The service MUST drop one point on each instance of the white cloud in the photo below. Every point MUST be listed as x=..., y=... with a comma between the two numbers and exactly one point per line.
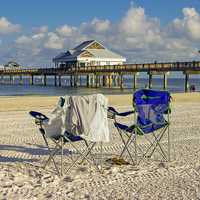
x=7, y=27
x=96, y=26
x=43, y=29
x=23, y=40
x=54, y=41
x=100, y=25
x=189, y=25
x=38, y=36
x=66, y=31
x=136, y=23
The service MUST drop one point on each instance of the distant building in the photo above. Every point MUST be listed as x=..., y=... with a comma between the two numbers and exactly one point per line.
x=11, y=65
x=88, y=53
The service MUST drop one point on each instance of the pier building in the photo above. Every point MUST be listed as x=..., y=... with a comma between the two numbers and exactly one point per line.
x=88, y=53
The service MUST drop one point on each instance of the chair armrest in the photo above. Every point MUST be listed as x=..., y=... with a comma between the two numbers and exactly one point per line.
x=39, y=117
x=112, y=112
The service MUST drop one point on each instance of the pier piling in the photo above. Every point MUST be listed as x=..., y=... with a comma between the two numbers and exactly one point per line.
x=59, y=81
x=55, y=80
x=45, y=80
x=11, y=79
x=2, y=79
x=165, y=81
x=186, y=82
x=20, y=80
x=31, y=80
x=88, y=80
x=150, y=80
x=135, y=81
x=71, y=81
x=121, y=81
x=104, y=80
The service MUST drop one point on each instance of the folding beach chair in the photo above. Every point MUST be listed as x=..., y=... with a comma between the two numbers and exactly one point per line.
x=60, y=140
x=151, y=118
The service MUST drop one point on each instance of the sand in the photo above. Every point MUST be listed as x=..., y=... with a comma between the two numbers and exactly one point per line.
x=22, y=152
x=10, y=103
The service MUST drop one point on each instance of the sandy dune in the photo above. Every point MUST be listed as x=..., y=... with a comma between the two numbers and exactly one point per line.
x=22, y=150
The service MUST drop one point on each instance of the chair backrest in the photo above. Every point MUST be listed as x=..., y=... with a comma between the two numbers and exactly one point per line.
x=151, y=105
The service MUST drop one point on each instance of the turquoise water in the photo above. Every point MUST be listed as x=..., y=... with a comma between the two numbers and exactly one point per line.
x=174, y=85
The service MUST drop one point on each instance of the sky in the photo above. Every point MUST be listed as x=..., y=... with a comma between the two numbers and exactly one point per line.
x=33, y=32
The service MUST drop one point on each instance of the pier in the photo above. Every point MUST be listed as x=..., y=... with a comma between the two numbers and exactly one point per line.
x=102, y=76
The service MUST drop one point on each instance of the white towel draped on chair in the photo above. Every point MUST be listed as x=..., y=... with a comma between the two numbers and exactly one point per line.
x=81, y=115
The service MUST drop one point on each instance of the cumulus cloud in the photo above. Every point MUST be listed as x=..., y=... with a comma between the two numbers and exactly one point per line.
x=100, y=25
x=136, y=22
x=54, y=41
x=43, y=29
x=7, y=27
x=189, y=25
x=66, y=31
x=23, y=40
x=96, y=26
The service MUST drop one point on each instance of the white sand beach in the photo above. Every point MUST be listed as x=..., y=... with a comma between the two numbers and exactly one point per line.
x=22, y=151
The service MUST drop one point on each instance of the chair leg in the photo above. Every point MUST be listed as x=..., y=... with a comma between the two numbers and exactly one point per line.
x=101, y=160
x=78, y=151
x=135, y=144
x=93, y=159
x=53, y=153
x=169, y=144
x=62, y=143
x=86, y=152
x=50, y=155
x=125, y=145
x=89, y=152
x=156, y=143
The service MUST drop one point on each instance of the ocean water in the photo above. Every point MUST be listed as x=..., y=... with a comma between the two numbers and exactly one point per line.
x=6, y=89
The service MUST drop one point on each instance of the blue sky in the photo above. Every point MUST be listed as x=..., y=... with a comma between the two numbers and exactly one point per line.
x=142, y=30
x=54, y=13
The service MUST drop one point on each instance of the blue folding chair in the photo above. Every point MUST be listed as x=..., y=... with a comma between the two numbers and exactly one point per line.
x=151, y=117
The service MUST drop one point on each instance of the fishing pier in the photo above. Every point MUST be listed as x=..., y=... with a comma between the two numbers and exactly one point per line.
x=103, y=76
